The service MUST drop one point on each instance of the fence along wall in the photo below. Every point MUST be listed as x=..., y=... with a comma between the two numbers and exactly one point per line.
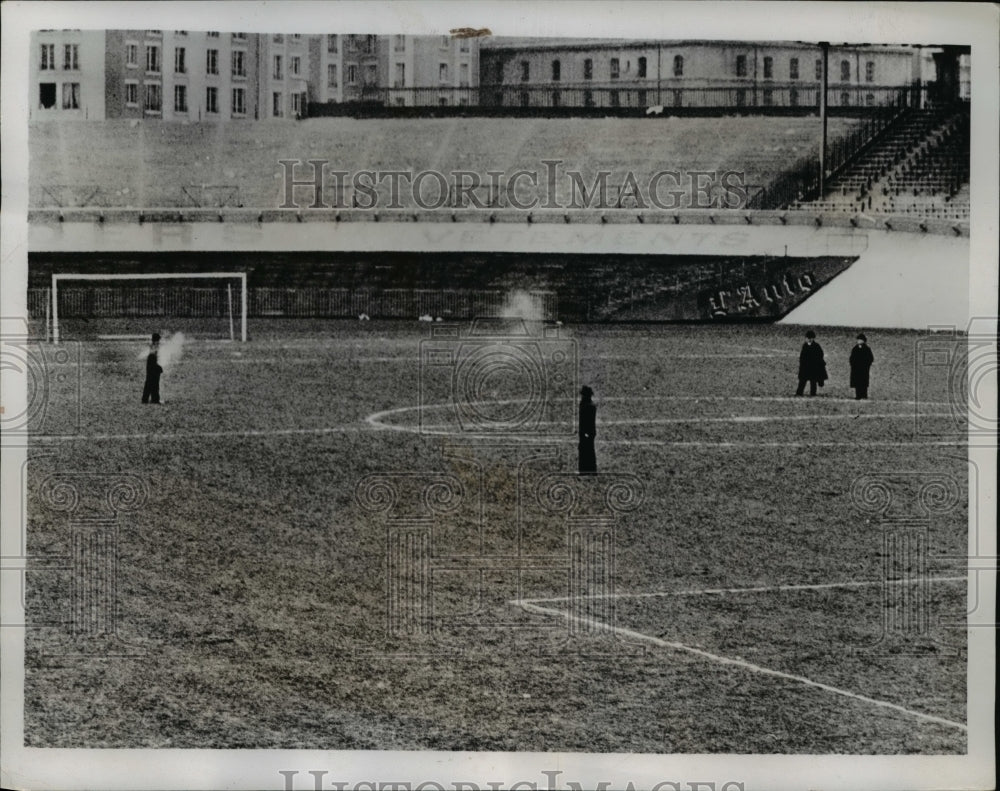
x=302, y=302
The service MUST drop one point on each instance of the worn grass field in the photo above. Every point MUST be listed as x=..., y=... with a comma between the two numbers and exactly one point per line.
x=754, y=605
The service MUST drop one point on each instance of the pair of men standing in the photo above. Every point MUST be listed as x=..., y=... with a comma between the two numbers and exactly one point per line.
x=812, y=366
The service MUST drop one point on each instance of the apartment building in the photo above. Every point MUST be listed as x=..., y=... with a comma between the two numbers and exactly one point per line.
x=67, y=74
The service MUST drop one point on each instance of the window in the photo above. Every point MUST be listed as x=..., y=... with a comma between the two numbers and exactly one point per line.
x=845, y=99
x=445, y=42
x=443, y=72
x=179, y=61
x=741, y=65
x=642, y=66
x=768, y=67
x=279, y=38
x=400, y=79
x=588, y=98
x=132, y=55
x=678, y=98
x=277, y=105
x=239, y=36
x=331, y=43
x=331, y=74
x=643, y=100
x=741, y=97
x=181, y=32
x=525, y=99
x=352, y=74
x=48, y=57
x=153, y=33
x=399, y=43
x=239, y=101
x=371, y=74
x=556, y=71
x=678, y=66
x=463, y=75
x=277, y=73
x=71, y=57
x=614, y=98
x=47, y=95
x=870, y=71
x=463, y=45
x=793, y=97
x=443, y=101
x=180, y=99
x=296, y=36
x=819, y=68
x=525, y=71
x=793, y=69
x=615, y=68
x=211, y=99
x=239, y=63
x=213, y=33
x=588, y=69
x=152, y=59
x=845, y=70
x=870, y=99
x=154, y=98
x=296, y=104
x=131, y=94
x=555, y=98
x=369, y=44
x=768, y=97
x=212, y=61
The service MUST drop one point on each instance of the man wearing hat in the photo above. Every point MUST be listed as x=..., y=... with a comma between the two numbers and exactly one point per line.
x=588, y=428
x=861, y=361
x=812, y=365
x=151, y=389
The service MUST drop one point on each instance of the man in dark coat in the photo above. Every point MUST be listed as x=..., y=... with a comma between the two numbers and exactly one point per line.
x=861, y=362
x=588, y=429
x=812, y=365
x=151, y=390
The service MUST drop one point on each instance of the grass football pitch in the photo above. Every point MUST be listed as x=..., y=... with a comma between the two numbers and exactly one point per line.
x=752, y=598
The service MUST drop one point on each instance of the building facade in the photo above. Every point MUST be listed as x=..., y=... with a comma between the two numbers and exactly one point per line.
x=560, y=72
x=179, y=75
x=67, y=74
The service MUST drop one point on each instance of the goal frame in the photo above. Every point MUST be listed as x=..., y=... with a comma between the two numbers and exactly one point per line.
x=241, y=277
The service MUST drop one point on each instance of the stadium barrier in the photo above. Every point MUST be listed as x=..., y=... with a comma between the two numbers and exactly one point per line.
x=96, y=302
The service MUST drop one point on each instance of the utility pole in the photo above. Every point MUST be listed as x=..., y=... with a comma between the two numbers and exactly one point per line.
x=824, y=78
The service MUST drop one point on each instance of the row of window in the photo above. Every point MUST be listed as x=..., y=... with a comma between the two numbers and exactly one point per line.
x=614, y=68
x=294, y=66
x=238, y=60
x=368, y=44
x=152, y=99
x=71, y=57
x=528, y=99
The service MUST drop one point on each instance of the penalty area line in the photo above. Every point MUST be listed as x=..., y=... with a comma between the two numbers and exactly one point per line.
x=740, y=663
x=759, y=589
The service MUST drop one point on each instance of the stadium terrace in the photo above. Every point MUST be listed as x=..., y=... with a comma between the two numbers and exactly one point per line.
x=314, y=184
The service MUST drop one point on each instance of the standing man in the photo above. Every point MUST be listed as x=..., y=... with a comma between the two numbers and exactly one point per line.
x=812, y=365
x=588, y=429
x=861, y=362
x=151, y=390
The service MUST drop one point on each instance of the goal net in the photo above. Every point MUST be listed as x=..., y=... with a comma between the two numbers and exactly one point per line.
x=211, y=305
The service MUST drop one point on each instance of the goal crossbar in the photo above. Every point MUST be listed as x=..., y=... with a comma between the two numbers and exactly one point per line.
x=240, y=276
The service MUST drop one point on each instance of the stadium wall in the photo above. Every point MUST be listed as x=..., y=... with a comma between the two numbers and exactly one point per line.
x=904, y=278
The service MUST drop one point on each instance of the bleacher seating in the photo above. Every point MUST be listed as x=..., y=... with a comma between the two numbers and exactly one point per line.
x=919, y=167
x=132, y=164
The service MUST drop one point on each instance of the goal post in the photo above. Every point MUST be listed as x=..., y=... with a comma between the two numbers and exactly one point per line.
x=230, y=278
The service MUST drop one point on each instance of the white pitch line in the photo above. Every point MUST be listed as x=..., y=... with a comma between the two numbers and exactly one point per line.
x=243, y=433
x=741, y=663
x=761, y=589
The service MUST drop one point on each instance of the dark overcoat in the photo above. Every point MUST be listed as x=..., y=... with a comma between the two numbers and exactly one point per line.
x=861, y=363
x=812, y=366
